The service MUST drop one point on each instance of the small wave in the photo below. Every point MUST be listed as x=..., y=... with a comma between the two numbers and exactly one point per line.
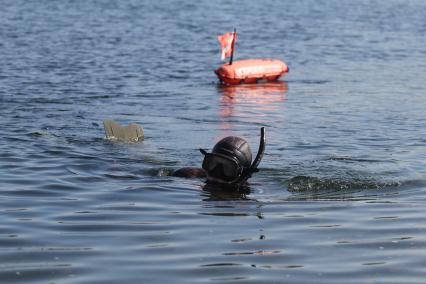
x=311, y=81
x=41, y=133
x=352, y=159
x=307, y=183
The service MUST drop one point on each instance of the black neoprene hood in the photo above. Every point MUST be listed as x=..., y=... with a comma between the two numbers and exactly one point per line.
x=234, y=147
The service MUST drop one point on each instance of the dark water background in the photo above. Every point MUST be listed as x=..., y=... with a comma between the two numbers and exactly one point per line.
x=341, y=195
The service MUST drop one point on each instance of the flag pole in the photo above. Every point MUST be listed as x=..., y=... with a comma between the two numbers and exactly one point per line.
x=232, y=46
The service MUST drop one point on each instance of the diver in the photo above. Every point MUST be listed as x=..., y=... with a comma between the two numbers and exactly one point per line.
x=229, y=164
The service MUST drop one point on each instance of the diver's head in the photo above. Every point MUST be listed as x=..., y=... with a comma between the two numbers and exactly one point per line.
x=229, y=161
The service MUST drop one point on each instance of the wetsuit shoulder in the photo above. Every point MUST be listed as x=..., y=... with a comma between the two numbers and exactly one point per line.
x=189, y=172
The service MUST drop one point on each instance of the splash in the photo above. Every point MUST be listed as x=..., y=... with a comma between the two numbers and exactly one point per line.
x=307, y=183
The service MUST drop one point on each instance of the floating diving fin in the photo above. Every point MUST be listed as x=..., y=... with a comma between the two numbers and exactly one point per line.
x=128, y=133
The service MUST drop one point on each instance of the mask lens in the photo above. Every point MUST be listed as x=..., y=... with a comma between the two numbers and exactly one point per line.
x=220, y=167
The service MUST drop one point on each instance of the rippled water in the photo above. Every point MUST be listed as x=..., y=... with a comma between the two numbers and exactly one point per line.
x=340, y=197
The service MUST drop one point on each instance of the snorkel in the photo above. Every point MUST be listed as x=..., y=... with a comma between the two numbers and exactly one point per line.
x=242, y=173
x=259, y=156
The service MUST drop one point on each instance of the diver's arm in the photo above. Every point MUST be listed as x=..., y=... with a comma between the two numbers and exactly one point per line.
x=189, y=172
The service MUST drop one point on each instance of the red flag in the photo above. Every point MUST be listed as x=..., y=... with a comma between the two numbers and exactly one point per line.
x=227, y=43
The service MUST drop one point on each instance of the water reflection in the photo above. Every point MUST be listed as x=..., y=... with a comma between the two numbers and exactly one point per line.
x=249, y=100
x=261, y=94
x=216, y=192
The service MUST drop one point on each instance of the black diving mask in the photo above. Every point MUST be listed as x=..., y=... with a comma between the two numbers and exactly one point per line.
x=222, y=167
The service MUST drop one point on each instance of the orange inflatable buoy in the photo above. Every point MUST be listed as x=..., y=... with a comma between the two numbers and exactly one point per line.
x=251, y=71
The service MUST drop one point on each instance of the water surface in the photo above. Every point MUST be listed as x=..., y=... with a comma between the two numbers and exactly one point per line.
x=340, y=196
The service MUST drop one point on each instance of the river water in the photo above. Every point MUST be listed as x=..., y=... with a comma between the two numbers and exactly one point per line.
x=341, y=192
